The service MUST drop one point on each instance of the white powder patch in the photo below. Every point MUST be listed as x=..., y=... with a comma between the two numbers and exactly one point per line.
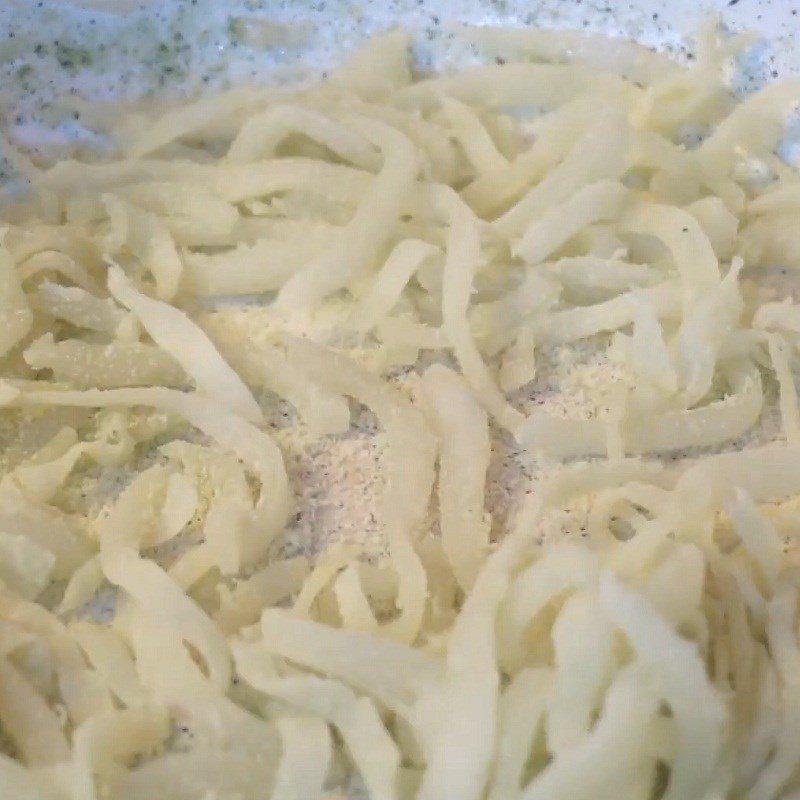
x=338, y=482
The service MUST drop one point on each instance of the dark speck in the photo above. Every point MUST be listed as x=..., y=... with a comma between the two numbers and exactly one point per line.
x=732, y=2
x=685, y=230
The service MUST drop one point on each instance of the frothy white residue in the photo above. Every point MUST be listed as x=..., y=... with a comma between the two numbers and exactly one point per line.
x=56, y=56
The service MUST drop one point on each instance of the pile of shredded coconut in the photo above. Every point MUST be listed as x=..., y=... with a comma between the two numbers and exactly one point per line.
x=364, y=437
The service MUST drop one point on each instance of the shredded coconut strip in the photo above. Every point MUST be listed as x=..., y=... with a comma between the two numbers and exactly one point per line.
x=463, y=460
x=174, y=332
x=461, y=263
